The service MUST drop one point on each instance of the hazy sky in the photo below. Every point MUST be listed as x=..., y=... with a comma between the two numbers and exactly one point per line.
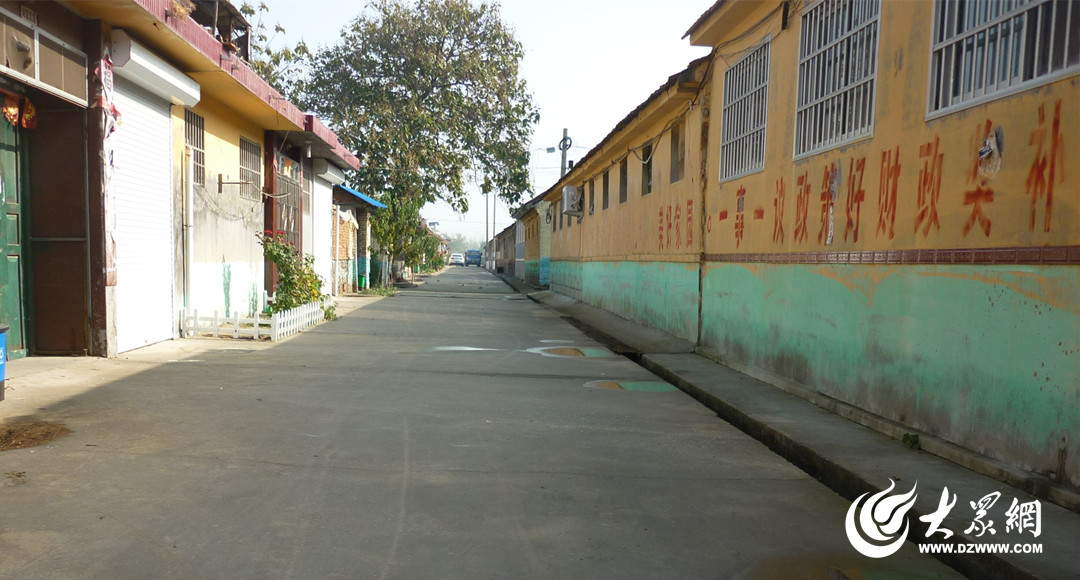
x=588, y=64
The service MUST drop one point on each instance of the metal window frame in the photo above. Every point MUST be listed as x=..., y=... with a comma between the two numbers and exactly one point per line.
x=994, y=33
x=836, y=37
x=251, y=153
x=744, y=125
x=647, y=167
x=677, y=144
x=35, y=81
x=624, y=179
x=605, y=189
x=290, y=194
x=195, y=137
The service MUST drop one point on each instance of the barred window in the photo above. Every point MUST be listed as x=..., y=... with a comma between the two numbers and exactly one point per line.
x=195, y=137
x=746, y=98
x=309, y=185
x=624, y=175
x=838, y=48
x=646, y=169
x=604, y=191
x=677, y=155
x=983, y=50
x=250, y=169
x=592, y=196
x=290, y=190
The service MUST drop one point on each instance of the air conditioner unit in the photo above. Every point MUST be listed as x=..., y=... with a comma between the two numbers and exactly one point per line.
x=571, y=201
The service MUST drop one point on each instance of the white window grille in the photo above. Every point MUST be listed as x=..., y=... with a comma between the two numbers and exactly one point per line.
x=746, y=98
x=838, y=49
x=987, y=49
x=250, y=169
x=195, y=137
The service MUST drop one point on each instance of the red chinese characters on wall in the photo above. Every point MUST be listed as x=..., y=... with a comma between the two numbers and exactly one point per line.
x=689, y=223
x=667, y=231
x=802, y=206
x=778, y=212
x=678, y=227
x=855, y=198
x=670, y=217
x=740, y=220
x=660, y=246
x=982, y=193
x=890, y=179
x=830, y=183
x=929, y=187
x=1044, y=168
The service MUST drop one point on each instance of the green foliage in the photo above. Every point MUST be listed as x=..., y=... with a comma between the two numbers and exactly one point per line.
x=379, y=291
x=297, y=282
x=460, y=244
x=283, y=68
x=429, y=96
x=436, y=263
x=330, y=312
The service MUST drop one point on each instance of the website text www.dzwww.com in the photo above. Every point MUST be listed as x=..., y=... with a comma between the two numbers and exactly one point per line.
x=980, y=548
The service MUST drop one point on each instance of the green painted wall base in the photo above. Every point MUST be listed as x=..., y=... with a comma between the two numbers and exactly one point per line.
x=987, y=357
x=663, y=295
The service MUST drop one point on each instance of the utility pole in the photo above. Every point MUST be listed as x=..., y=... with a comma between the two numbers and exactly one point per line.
x=564, y=146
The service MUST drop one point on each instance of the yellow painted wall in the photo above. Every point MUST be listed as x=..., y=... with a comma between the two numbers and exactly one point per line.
x=664, y=225
x=930, y=168
x=227, y=265
x=964, y=345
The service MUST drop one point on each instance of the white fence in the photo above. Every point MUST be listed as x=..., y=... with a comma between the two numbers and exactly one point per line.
x=280, y=325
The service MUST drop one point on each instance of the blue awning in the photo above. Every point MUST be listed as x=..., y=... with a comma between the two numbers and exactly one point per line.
x=362, y=197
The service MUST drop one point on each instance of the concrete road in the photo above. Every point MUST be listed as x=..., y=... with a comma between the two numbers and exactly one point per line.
x=455, y=430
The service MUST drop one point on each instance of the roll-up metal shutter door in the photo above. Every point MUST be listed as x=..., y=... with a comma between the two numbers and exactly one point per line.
x=142, y=186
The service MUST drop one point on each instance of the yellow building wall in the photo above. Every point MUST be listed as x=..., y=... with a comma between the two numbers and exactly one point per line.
x=914, y=183
x=663, y=225
x=902, y=273
x=227, y=264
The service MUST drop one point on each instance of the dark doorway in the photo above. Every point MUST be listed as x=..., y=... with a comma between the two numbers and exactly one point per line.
x=58, y=223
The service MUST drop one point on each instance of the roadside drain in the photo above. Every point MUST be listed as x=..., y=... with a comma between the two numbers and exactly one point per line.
x=635, y=386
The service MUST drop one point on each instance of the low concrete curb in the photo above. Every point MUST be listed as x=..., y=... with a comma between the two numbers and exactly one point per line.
x=848, y=457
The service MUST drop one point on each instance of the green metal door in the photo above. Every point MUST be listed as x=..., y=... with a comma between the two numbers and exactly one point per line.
x=11, y=268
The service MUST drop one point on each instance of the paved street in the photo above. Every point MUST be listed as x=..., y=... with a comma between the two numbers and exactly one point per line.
x=455, y=430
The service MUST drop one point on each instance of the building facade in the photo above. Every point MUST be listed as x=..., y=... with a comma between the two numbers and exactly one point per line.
x=144, y=160
x=878, y=215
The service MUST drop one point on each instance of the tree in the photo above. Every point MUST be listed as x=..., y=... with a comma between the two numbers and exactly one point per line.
x=428, y=94
x=398, y=229
x=461, y=244
x=283, y=68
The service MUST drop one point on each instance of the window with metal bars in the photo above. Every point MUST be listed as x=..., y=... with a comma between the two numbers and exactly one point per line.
x=746, y=98
x=289, y=193
x=604, y=191
x=309, y=186
x=592, y=197
x=990, y=48
x=195, y=137
x=677, y=152
x=624, y=176
x=250, y=169
x=646, y=169
x=838, y=47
